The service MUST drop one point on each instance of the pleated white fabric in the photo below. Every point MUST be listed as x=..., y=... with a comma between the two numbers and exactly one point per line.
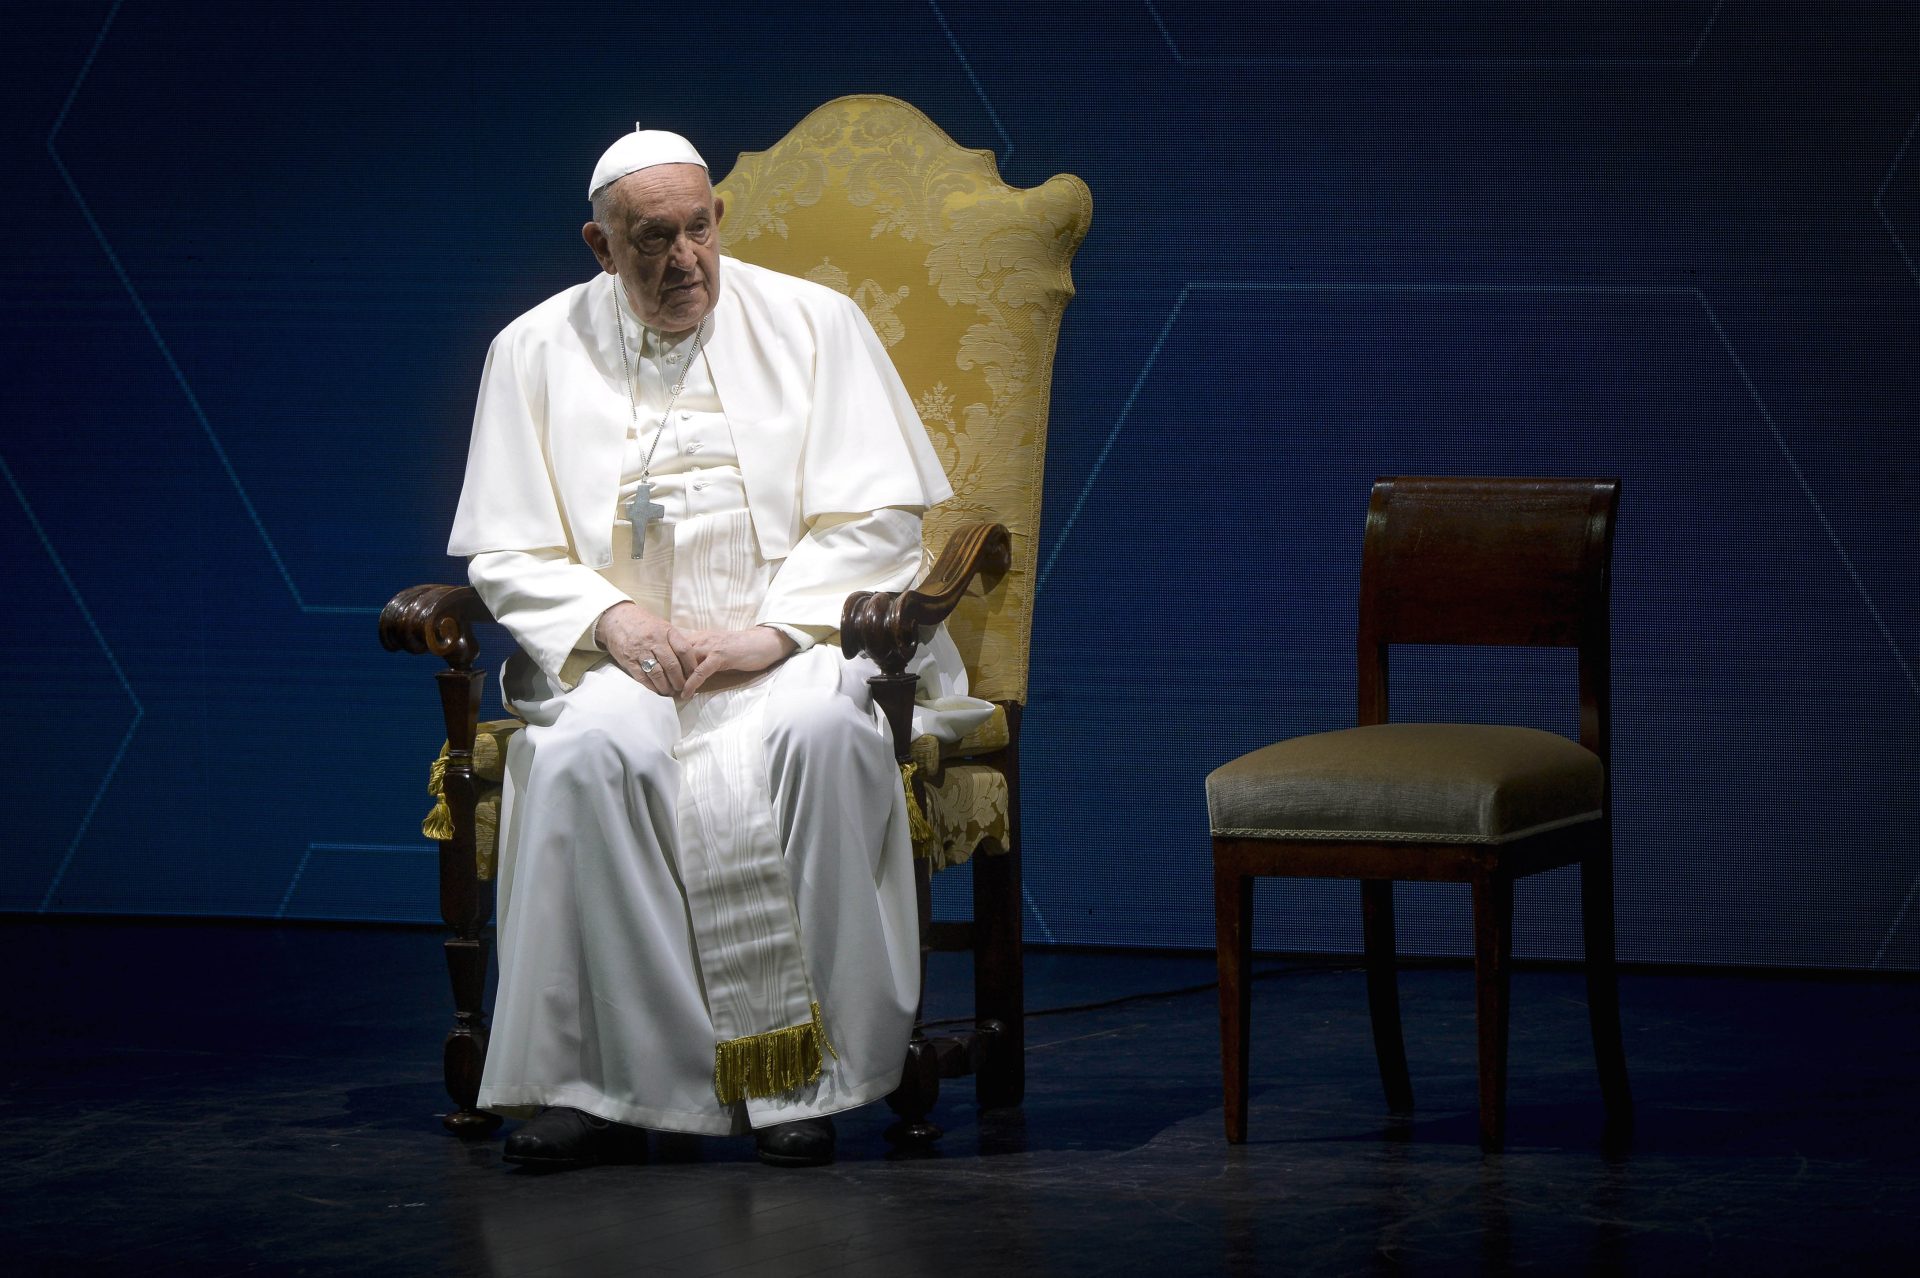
x=610, y=1000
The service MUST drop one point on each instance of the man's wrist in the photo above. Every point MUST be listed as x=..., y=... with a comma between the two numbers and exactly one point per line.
x=600, y=624
x=792, y=640
x=803, y=637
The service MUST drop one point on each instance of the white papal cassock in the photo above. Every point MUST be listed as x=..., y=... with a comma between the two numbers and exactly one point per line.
x=676, y=876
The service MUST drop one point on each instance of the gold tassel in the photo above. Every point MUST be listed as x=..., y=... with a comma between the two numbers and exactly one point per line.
x=439, y=822
x=770, y=1063
x=926, y=845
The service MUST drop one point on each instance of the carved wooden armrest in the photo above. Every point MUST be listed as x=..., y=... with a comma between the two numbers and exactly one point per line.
x=886, y=624
x=436, y=619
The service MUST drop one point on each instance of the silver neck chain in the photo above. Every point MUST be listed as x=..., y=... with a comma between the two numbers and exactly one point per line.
x=673, y=395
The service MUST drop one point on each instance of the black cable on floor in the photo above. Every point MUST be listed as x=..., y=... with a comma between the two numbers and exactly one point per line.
x=1259, y=974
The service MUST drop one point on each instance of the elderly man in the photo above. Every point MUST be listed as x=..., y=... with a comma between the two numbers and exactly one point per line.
x=679, y=470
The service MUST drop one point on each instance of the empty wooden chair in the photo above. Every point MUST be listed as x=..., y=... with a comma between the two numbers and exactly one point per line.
x=1522, y=562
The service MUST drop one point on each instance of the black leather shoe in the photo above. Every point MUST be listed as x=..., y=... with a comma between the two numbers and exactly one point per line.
x=806, y=1142
x=556, y=1138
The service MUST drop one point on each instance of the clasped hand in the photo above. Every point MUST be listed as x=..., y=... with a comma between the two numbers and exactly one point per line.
x=678, y=663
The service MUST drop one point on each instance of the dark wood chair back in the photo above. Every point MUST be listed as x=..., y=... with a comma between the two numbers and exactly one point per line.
x=1492, y=561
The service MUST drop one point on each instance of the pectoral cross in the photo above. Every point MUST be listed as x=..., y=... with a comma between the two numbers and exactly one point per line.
x=642, y=510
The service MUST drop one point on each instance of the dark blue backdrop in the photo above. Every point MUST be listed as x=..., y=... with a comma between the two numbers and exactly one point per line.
x=254, y=254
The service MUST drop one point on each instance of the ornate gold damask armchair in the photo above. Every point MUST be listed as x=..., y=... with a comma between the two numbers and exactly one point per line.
x=965, y=280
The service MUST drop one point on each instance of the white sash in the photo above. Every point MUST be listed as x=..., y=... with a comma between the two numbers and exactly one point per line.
x=747, y=935
x=768, y=1035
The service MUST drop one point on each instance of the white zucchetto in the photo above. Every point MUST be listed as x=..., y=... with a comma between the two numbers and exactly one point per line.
x=641, y=149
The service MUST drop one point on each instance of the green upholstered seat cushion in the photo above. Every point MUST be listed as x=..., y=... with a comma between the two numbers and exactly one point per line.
x=1408, y=782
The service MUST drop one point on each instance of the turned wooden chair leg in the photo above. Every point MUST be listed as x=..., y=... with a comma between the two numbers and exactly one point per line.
x=1383, y=993
x=1603, y=985
x=1233, y=953
x=464, y=1056
x=999, y=998
x=915, y=1097
x=465, y=905
x=919, y=1088
x=1492, y=961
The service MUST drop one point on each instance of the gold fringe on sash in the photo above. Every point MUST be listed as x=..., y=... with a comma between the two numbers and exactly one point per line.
x=770, y=1063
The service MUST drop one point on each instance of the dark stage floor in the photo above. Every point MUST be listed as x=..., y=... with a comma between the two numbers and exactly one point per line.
x=229, y=1099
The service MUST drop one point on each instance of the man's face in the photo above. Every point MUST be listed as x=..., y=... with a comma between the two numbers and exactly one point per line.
x=663, y=241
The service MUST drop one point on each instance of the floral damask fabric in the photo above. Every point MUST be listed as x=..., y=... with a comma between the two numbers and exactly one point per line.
x=968, y=809
x=965, y=280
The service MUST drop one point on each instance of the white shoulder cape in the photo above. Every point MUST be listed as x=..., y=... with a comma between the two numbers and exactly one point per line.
x=821, y=420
